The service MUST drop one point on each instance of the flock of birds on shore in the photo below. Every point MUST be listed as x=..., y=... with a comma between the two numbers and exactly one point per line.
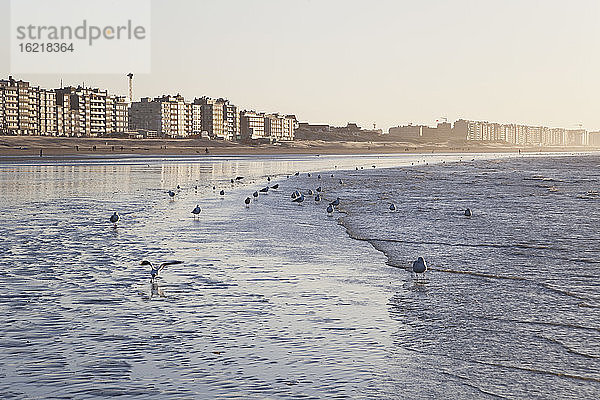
x=419, y=266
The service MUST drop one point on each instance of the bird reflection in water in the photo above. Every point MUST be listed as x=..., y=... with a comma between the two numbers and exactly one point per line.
x=156, y=290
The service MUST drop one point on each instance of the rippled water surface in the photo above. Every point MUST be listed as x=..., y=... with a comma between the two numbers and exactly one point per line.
x=279, y=300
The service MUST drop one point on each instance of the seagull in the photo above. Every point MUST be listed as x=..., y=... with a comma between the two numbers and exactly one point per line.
x=196, y=211
x=275, y=186
x=171, y=194
x=232, y=180
x=419, y=266
x=330, y=210
x=336, y=202
x=214, y=188
x=255, y=195
x=238, y=178
x=332, y=175
x=297, y=173
x=318, y=197
x=155, y=270
x=310, y=192
x=341, y=182
x=309, y=174
x=178, y=187
x=268, y=179
x=222, y=192
x=468, y=212
x=392, y=207
x=295, y=194
x=319, y=176
x=264, y=190
x=247, y=201
x=299, y=199
x=114, y=218
x=319, y=189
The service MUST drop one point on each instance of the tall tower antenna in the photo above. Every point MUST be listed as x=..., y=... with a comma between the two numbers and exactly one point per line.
x=130, y=76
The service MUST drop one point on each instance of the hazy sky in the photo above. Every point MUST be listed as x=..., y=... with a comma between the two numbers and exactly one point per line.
x=388, y=62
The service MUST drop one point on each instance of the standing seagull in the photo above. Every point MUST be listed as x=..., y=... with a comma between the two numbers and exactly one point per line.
x=329, y=210
x=264, y=190
x=247, y=201
x=222, y=192
x=419, y=267
x=299, y=199
x=255, y=195
x=171, y=194
x=196, y=211
x=392, y=207
x=318, y=197
x=468, y=212
x=336, y=202
x=114, y=218
x=155, y=270
x=275, y=186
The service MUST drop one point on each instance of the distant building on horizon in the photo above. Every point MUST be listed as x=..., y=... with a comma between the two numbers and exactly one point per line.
x=443, y=131
x=524, y=135
x=484, y=131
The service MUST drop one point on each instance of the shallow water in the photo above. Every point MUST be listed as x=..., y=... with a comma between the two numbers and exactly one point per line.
x=277, y=300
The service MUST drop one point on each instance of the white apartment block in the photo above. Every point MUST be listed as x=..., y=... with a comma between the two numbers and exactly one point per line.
x=169, y=116
x=272, y=127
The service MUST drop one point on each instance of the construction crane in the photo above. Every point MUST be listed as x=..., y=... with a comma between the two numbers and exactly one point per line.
x=130, y=76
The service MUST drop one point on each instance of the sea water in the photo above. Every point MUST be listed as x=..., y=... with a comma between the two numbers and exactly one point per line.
x=279, y=299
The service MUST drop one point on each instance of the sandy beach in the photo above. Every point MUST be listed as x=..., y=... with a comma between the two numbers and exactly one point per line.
x=28, y=146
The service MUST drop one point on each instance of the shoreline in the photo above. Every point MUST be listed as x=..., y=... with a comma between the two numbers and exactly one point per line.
x=20, y=148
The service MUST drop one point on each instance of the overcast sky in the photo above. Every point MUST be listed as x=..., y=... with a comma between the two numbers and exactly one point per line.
x=384, y=62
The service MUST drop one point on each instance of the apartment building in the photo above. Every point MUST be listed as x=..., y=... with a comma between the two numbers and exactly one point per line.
x=169, y=116
x=89, y=112
x=289, y=127
x=26, y=109
x=18, y=116
x=252, y=126
x=271, y=127
x=231, y=122
x=213, y=122
x=280, y=128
